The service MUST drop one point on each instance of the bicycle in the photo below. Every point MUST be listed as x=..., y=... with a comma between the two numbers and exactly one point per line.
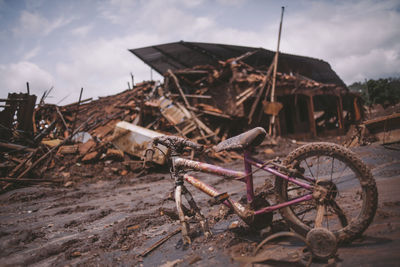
x=318, y=185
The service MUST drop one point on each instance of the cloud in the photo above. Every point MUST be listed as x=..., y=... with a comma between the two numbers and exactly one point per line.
x=31, y=53
x=13, y=78
x=32, y=24
x=351, y=36
x=82, y=31
x=102, y=67
x=358, y=38
x=231, y=2
x=118, y=11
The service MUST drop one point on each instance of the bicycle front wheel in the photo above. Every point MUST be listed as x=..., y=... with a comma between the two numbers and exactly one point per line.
x=351, y=196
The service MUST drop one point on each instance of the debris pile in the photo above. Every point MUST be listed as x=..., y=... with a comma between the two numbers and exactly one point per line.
x=206, y=104
x=385, y=129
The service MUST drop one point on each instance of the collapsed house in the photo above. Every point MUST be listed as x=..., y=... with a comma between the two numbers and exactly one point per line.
x=237, y=80
x=210, y=92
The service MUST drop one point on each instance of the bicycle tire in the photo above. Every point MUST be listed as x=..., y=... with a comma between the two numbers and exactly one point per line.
x=345, y=230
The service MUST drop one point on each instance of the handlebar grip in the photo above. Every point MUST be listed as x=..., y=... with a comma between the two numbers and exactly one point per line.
x=176, y=143
x=194, y=145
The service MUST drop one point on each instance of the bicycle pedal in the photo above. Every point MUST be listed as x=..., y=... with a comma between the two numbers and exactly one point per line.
x=218, y=199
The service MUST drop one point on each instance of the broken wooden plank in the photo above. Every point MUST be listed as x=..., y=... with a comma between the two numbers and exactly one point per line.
x=62, y=118
x=185, y=99
x=216, y=114
x=53, y=149
x=261, y=90
x=193, y=96
x=70, y=149
x=19, y=166
x=16, y=147
x=159, y=242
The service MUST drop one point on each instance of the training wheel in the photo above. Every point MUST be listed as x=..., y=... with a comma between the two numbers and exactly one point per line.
x=322, y=243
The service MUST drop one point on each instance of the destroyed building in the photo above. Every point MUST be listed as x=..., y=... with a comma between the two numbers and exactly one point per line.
x=315, y=100
x=210, y=93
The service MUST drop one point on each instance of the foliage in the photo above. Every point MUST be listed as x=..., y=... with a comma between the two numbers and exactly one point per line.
x=383, y=91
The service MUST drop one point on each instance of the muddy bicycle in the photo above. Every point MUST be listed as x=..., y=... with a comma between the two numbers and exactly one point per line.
x=318, y=185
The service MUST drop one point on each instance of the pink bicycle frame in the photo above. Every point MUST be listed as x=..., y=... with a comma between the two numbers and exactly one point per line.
x=245, y=177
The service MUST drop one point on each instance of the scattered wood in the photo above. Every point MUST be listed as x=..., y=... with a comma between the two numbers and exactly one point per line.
x=90, y=157
x=159, y=243
x=16, y=147
x=205, y=104
x=70, y=149
x=50, y=151
x=85, y=147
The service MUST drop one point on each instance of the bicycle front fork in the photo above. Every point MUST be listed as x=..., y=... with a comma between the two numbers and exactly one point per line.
x=179, y=190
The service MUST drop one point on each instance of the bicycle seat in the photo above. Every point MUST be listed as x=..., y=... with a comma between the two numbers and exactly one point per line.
x=253, y=137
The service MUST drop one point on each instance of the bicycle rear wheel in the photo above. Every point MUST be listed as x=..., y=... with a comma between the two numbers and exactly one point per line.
x=351, y=194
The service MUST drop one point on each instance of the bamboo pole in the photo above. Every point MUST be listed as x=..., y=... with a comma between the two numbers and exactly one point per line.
x=272, y=122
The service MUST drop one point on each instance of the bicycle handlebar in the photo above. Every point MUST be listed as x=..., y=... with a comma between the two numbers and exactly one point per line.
x=176, y=144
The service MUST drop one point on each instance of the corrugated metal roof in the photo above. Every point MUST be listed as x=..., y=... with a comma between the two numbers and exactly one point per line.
x=180, y=55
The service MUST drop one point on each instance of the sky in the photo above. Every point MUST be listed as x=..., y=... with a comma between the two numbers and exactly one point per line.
x=70, y=44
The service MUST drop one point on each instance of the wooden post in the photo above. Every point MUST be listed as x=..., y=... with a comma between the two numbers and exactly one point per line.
x=272, y=122
x=77, y=110
x=340, y=111
x=311, y=119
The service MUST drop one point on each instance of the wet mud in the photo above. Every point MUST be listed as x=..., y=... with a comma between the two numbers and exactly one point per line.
x=111, y=221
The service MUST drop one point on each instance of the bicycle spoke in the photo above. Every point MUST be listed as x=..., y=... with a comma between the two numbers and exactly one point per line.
x=332, y=168
x=309, y=169
x=346, y=180
x=346, y=166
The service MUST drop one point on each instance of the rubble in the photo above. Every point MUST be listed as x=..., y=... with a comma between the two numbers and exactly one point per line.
x=206, y=104
x=134, y=140
x=385, y=129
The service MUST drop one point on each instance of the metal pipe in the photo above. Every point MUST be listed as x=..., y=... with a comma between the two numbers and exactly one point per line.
x=237, y=207
x=248, y=179
x=281, y=175
x=284, y=204
x=209, y=190
x=208, y=168
x=184, y=224
x=212, y=192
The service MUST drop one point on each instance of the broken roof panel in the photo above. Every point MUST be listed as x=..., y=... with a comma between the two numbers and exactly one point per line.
x=180, y=55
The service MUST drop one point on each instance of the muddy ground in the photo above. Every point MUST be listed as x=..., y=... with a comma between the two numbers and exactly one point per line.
x=105, y=219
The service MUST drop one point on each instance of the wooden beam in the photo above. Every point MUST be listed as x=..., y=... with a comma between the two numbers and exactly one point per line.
x=340, y=111
x=311, y=119
x=16, y=147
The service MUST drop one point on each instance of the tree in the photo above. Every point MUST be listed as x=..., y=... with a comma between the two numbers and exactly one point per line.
x=383, y=91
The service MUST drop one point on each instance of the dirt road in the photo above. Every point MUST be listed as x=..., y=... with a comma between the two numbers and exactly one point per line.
x=109, y=222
